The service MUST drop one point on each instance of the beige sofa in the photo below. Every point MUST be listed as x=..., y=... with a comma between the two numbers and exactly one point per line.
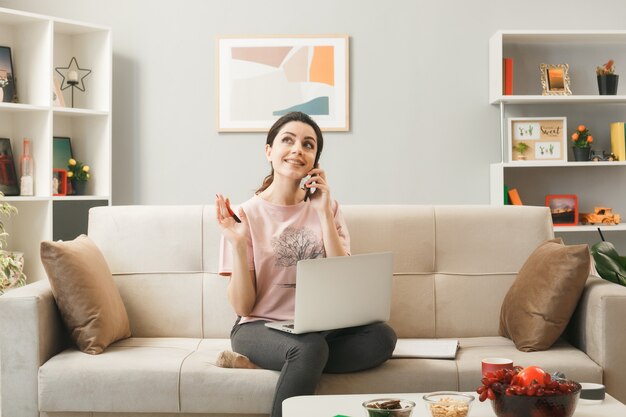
x=453, y=266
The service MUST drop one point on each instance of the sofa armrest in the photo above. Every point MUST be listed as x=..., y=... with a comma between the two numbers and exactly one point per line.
x=598, y=328
x=31, y=332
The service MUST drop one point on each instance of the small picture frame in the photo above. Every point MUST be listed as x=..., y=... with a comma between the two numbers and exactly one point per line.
x=563, y=208
x=537, y=139
x=57, y=95
x=8, y=177
x=59, y=182
x=8, y=89
x=61, y=153
x=555, y=80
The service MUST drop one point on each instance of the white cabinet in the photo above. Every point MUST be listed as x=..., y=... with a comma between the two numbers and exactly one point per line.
x=39, y=44
x=594, y=183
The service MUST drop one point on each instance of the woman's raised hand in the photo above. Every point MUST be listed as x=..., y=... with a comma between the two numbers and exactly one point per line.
x=232, y=230
x=320, y=199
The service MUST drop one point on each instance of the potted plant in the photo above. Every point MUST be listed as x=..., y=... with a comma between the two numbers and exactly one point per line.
x=607, y=79
x=78, y=174
x=521, y=148
x=11, y=263
x=582, y=141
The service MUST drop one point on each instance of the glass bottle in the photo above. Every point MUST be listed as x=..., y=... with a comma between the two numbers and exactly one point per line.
x=26, y=180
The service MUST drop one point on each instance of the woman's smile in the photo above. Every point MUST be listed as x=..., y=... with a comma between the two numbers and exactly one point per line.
x=296, y=162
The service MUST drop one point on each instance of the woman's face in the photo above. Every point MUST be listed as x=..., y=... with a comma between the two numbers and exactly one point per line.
x=293, y=152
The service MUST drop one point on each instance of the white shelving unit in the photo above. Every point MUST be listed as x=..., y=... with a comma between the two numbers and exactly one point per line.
x=594, y=183
x=38, y=45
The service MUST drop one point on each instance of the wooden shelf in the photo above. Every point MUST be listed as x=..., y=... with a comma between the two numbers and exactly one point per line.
x=538, y=99
x=572, y=164
x=591, y=228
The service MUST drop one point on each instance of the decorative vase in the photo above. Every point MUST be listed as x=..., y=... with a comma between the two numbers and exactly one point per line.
x=607, y=84
x=79, y=187
x=582, y=154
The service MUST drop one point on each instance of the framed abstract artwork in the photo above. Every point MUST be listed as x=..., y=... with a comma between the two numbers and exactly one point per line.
x=262, y=78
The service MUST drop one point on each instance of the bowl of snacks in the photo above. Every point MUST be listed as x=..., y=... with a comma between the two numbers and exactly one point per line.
x=529, y=392
x=389, y=407
x=448, y=403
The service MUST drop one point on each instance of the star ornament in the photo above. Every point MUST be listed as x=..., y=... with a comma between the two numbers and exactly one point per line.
x=73, y=75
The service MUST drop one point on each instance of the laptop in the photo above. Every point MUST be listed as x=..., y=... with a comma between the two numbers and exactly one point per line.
x=338, y=292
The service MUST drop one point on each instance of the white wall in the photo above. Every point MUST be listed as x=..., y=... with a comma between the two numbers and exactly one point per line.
x=422, y=130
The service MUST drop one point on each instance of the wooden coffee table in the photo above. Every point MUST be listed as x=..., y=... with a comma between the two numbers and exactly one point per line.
x=350, y=405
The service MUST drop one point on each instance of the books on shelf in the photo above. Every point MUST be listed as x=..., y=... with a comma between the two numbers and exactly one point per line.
x=514, y=197
x=507, y=76
x=426, y=348
x=618, y=140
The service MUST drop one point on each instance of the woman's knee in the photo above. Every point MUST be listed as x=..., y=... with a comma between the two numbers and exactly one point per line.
x=311, y=348
x=380, y=343
x=387, y=337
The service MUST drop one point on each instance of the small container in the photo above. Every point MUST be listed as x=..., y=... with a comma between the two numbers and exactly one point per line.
x=388, y=407
x=591, y=393
x=448, y=403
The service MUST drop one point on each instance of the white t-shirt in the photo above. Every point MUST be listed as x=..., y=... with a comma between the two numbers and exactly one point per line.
x=280, y=236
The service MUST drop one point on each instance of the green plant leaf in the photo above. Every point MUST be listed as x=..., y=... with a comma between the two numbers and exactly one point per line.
x=609, y=264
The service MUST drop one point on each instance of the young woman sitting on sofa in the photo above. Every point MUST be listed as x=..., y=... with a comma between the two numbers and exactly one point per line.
x=258, y=255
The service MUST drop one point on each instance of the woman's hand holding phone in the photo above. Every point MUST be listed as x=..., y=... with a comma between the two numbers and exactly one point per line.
x=318, y=190
x=310, y=190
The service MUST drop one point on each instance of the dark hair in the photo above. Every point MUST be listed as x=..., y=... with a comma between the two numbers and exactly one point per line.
x=295, y=116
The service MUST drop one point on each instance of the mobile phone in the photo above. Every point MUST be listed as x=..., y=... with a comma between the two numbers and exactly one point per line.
x=309, y=191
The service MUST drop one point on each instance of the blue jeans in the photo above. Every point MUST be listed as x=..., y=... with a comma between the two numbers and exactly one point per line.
x=301, y=359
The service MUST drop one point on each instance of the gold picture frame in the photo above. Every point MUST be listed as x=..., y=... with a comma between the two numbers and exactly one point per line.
x=555, y=80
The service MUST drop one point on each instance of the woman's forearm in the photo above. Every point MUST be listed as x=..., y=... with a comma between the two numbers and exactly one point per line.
x=332, y=241
x=241, y=289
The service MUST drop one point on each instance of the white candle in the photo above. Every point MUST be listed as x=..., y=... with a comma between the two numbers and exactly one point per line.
x=72, y=76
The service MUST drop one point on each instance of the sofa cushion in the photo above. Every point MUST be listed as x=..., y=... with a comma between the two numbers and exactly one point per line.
x=462, y=310
x=82, y=285
x=138, y=375
x=393, y=376
x=178, y=375
x=205, y=387
x=488, y=239
x=131, y=238
x=560, y=357
x=543, y=297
